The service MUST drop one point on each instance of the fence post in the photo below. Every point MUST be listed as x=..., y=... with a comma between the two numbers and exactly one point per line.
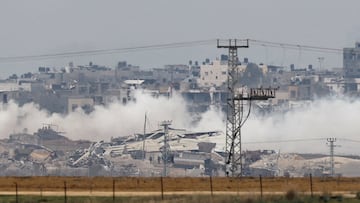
x=113, y=188
x=211, y=186
x=162, y=188
x=311, y=185
x=261, y=188
x=65, y=196
x=238, y=185
x=16, y=193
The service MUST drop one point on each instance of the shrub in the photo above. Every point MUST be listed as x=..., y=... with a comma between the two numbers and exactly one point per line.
x=290, y=195
x=358, y=195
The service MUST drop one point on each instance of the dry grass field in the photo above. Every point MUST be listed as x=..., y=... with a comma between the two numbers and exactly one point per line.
x=149, y=185
x=184, y=190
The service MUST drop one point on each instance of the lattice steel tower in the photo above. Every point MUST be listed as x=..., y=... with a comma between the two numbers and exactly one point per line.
x=233, y=136
x=330, y=142
x=166, y=148
x=237, y=98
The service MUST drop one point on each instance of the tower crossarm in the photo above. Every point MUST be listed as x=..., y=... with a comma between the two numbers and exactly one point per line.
x=262, y=93
x=258, y=94
x=233, y=43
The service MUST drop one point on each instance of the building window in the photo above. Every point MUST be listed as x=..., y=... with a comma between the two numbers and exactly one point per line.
x=224, y=72
x=216, y=77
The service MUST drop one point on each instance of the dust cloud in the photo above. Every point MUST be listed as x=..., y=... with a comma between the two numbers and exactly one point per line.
x=109, y=121
x=305, y=129
x=298, y=130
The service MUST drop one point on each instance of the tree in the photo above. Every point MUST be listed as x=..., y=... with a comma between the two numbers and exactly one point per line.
x=252, y=76
x=13, y=76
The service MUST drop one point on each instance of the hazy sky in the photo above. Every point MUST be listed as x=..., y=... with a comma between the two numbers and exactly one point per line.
x=49, y=26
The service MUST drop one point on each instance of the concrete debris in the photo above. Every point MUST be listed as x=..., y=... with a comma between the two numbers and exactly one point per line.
x=91, y=156
x=47, y=152
x=294, y=165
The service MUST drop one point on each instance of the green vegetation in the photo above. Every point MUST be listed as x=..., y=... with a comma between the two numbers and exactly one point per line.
x=290, y=197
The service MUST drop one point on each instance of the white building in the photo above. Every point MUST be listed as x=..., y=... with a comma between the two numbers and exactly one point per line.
x=215, y=73
x=335, y=85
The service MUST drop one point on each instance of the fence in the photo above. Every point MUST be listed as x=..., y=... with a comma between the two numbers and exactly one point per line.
x=159, y=186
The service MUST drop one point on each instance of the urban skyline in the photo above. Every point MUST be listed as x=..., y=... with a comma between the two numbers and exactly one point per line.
x=88, y=25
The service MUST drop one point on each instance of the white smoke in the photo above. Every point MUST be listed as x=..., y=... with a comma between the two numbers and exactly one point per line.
x=323, y=118
x=113, y=120
x=212, y=119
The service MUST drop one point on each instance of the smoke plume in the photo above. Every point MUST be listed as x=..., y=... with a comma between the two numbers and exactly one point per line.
x=109, y=121
x=298, y=130
x=305, y=129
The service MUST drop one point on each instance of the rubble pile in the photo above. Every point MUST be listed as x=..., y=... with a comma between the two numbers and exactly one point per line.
x=294, y=165
x=47, y=152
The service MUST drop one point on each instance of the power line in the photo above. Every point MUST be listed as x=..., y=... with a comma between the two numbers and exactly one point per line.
x=107, y=51
x=297, y=46
x=349, y=140
x=173, y=45
x=299, y=140
x=285, y=141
